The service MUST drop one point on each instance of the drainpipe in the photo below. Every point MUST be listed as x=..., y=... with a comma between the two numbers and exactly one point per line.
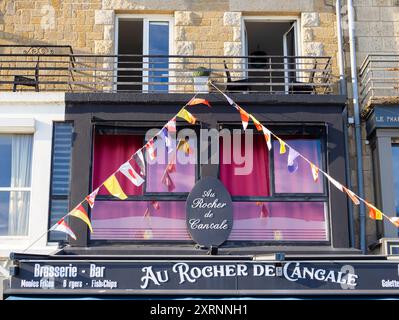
x=358, y=137
x=343, y=91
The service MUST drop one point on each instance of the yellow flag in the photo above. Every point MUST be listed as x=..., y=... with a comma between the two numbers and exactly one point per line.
x=114, y=188
x=80, y=212
x=282, y=146
x=183, y=113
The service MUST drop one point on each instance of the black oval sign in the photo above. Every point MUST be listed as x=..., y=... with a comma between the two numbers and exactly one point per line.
x=209, y=212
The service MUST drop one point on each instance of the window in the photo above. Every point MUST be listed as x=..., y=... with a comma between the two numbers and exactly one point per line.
x=272, y=203
x=60, y=176
x=138, y=38
x=152, y=211
x=15, y=183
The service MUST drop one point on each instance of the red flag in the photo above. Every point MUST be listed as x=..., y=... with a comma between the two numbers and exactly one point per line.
x=80, y=212
x=171, y=167
x=244, y=118
x=171, y=125
x=167, y=181
x=352, y=195
x=264, y=213
x=258, y=125
x=62, y=226
x=150, y=149
x=374, y=213
x=92, y=197
x=195, y=101
x=156, y=205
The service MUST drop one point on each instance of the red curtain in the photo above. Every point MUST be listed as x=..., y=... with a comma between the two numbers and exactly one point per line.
x=110, y=152
x=256, y=183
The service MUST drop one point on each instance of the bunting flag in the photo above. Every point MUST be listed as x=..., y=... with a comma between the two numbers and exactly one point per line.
x=91, y=198
x=156, y=205
x=139, y=158
x=171, y=167
x=184, y=145
x=395, y=221
x=184, y=114
x=147, y=213
x=62, y=226
x=282, y=146
x=244, y=118
x=127, y=170
x=230, y=101
x=171, y=125
x=315, y=172
x=167, y=139
x=258, y=125
x=335, y=183
x=264, y=213
x=351, y=195
x=195, y=101
x=114, y=187
x=374, y=213
x=268, y=137
x=167, y=181
x=80, y=212
x=292, y=164
x=151, y=149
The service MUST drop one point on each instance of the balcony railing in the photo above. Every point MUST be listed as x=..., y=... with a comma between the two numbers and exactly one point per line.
x=379, y=80
x=45, y=69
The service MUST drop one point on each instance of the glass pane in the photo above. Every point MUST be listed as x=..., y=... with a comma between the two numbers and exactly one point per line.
x=182, y=179
x=279, y=221
x=59, y=208
x=300, y=180
x=110, y=152
x=158, y=45
x=255, y=182
x=395, y=167
x=14, y=213
x=5, y=160
x=139, y=220
x=61, y=167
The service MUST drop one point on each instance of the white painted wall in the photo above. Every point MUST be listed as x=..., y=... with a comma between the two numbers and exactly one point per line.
x=20, y=111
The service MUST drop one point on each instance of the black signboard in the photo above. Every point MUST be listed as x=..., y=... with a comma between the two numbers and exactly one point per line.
x=209, y=212
x=181, y=277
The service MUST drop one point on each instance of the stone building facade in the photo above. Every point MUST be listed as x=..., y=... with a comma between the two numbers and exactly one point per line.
x=207, y=27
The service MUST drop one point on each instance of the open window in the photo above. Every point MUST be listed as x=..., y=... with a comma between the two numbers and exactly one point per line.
x=138, y=39
x=278, y=40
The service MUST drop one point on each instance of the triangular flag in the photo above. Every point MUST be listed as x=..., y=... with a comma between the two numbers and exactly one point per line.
x=264, y=213
x=292, y=164
x=258, y=125
x=244, y=117
x=374, y=213
x=167, y=139
x=167, y=181
x=92, y=197
x=151, y=149
x=171, y=167
x=230, y=101
x=282, y=146
x=335, y=183
x=268, y=137
x=171, y=125
x=114, y=187
x=351, y=195
x=62, y=226
x=127, y=170
x=195, y=101
x=183, y=113
x=139, y=158
x=156, y=205
x=80, y=212
x=315, y=172
x=395, y=221
x=185, y=146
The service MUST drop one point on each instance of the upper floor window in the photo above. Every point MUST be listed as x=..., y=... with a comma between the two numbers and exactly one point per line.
x=15, y=183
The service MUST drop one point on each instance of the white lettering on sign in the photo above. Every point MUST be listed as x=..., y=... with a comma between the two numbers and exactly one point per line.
x=197, y=224
x=69, y=271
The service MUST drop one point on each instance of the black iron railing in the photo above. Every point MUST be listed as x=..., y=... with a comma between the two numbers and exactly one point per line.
x=58, y=68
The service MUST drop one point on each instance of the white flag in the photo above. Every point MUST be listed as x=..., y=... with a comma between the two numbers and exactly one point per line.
x=131, y=174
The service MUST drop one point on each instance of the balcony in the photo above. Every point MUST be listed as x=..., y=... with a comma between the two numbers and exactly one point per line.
x=379, y=81
x=58, y=68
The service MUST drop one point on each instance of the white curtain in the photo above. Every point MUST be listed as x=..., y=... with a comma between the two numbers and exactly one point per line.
x=21, y=164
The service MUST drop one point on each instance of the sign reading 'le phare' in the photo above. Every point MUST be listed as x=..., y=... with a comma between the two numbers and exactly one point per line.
x=209, y=212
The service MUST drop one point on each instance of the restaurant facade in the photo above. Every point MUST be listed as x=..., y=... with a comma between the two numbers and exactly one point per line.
x=187, y=151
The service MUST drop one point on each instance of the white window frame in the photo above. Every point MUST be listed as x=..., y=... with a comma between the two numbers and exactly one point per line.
x=146, y=18
x=25, y=129
x=298, y=36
